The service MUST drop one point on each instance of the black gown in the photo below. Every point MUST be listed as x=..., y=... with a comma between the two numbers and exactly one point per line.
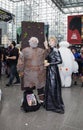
x=53, y=96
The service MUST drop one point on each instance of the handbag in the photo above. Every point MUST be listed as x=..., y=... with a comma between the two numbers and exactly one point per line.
x=30, y=102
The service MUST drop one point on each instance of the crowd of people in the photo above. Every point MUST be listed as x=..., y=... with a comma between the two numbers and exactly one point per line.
x=37, y=68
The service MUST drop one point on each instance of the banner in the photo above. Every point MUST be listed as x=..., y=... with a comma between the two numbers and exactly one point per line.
x=75, y=29
x=6, y=16
x=32, y=29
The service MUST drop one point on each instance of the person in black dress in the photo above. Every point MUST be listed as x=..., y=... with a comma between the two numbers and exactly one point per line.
x=53, y=95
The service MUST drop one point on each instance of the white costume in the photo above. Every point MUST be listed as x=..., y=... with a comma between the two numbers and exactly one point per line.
x=68, y=66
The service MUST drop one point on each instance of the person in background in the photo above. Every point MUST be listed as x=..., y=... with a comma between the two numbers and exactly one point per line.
x=53, y=94
x=76, y=55
x=7, y=53
x=1, y=56
x=13, y=59
x=81, y=65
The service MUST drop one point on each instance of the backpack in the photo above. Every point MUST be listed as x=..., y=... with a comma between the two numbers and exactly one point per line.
x=30, y=102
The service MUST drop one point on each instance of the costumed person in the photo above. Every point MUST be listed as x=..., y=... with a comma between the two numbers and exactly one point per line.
x=31, y=68
x=68, y=66
x=53, y=94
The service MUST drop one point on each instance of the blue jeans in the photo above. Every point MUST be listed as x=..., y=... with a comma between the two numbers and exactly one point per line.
x=13, y=74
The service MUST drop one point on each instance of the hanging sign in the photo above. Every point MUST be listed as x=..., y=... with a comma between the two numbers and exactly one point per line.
x=6, y=16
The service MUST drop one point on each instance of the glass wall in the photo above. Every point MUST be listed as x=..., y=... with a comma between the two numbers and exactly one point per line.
x=37, y=11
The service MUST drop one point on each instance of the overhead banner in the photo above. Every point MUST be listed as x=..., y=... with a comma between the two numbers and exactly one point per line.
x=6, y=16
x=75, y=29
x=32, y=29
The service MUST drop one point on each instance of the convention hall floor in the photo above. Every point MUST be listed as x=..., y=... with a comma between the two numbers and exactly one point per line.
x=13, y=118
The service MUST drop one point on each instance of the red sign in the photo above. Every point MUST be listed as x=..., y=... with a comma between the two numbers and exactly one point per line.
x=75, y=29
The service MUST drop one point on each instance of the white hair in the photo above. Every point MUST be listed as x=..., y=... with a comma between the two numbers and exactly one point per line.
x=33, y=42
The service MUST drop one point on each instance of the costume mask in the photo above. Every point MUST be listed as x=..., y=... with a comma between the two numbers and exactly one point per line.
x=33, y=42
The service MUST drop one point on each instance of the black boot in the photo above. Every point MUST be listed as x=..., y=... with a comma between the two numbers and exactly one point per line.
x=41, y=95
x=75, y=83
x=82, y=84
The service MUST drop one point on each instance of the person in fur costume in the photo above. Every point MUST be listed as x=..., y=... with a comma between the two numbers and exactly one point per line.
x=31, y=67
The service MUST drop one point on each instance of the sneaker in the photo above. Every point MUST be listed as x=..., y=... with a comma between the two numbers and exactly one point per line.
x=16, y=83
x=8, y=85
